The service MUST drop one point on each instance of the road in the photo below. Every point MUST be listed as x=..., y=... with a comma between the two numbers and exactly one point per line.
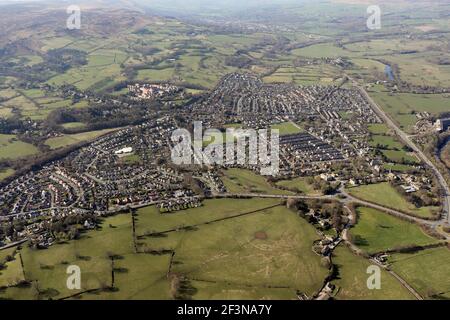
x=407, y=141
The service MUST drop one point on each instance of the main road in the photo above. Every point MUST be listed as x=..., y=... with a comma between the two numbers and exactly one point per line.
x=407, y=141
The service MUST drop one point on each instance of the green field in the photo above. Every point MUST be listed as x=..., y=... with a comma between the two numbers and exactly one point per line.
x=246, y=254
x=401, y=106
x=12, y=148
x=246, y=251
x=286, y=128
x=352, y=279
x=5, y=173
x=400, y=156
x=73, y=125
x=377, y=231
x=47, y=268
x=322, y=74
x=425, y=271
x=384, y=142
x=385, y=195
x=378, y=128
x=69, y=139
x=246, y=181
x=300, y=185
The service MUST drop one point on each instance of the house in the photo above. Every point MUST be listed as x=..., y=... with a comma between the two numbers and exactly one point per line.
x=442, y=124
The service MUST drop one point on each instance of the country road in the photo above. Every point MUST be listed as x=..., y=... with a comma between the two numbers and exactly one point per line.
x=406, y=140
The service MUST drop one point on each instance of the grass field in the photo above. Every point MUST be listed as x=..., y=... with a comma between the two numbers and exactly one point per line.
x=5, y=173
x=286, y=128
x=307, y=75
x=69, y=139
x=271, y=248
x=425, y=271
x=352, y=279
x=400, y=156
x=384, y=194
x=12, y=148
x=384, y=142
x=153, y=221
x=377, y=231
x=401, y=106
x=73, y=125
x=246, y=181
x=244, y=254
x=300, y=185
x=47, y=268
x=378, y=128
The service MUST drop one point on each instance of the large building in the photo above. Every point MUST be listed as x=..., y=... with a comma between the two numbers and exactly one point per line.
x=442, y=124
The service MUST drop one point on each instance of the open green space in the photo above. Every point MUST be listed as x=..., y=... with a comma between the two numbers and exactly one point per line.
x=385, y=195
x=286, y=128
x=246, y=181
x=425, y=271
x=12, y=148
x=403, y=106
x=244, y=255
x=377, y=231
x=69, y=139
x=155, y=222
x=301, y=185
x=5, y=173
x=352, y=279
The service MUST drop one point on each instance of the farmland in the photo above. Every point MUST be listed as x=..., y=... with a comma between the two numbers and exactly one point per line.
x=245, y=181
x=260, y=236
x=424, y=271
x=219, y=267
x=352, y=280
x=386, y=195
x=302, y=185
x=403, y=106
x=69, y=139
x=377, y=231
x=12, y=148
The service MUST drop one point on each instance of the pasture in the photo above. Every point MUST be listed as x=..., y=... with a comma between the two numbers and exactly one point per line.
x=377, y=231
x=385, y=195
x=70, y=139
x=425, y=271
x=299, y=185
x=246, y=181
x=250, y=249
x=286, y=128
x=12, y=148
x=351, y=283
